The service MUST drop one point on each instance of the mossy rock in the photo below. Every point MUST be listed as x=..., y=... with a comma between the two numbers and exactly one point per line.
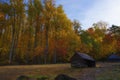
x=23, y=77
x=39, y=77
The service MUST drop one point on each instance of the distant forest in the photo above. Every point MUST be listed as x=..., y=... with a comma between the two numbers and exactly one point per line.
x=39, y=32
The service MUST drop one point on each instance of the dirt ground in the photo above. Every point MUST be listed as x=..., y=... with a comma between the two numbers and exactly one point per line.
x=103, y=71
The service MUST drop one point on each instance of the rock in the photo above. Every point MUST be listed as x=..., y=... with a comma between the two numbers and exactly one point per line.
x=22, y=77
x=64, y=77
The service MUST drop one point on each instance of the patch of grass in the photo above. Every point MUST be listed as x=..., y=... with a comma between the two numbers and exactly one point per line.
x=103, y=71
x=47, y=72
x=112, y=73
x=104, y=78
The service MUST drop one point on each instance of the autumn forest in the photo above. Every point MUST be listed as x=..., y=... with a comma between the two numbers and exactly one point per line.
x=39, y=32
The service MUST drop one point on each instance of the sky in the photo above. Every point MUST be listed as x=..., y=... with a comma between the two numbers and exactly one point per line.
x=88, y=12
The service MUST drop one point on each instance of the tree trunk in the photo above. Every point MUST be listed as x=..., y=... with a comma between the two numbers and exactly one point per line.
x=46, y=48
x=55, y=49
x=13, y=39
x=11, y=51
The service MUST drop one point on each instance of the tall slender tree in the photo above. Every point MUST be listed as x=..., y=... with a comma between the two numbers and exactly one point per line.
x=17, y=16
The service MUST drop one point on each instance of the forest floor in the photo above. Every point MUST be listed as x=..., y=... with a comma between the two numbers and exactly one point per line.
x=103, y=71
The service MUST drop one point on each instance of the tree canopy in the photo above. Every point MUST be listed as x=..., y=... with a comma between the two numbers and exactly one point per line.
x=39, y=32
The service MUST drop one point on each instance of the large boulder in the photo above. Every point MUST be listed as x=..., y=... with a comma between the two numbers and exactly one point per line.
x=64, y=77
x=23, y=77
